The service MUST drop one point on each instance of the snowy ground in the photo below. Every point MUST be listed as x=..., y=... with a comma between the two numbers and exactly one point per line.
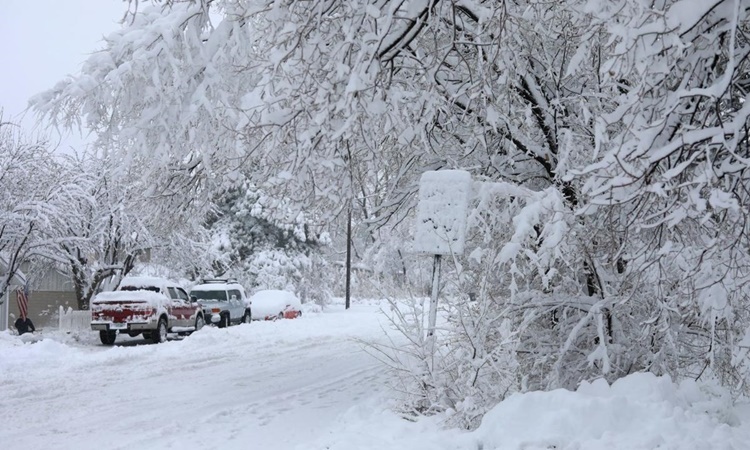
x=307, y=384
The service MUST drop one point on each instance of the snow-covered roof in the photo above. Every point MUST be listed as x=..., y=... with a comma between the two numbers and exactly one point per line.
x=217, y=287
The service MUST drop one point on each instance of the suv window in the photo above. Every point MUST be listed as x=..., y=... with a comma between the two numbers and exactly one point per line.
x=182, y=294
x=236, y=294
x=210, y=295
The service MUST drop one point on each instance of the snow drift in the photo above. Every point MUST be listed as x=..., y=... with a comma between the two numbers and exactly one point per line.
x=640, y=411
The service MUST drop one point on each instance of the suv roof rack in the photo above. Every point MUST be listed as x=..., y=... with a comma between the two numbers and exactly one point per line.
x=219, y=280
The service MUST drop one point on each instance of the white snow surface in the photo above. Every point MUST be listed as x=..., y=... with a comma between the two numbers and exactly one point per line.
x=149, y=297
x=308, y=384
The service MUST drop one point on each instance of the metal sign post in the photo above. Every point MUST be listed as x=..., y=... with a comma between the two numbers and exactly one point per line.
x=434, y=296
x=441, y=229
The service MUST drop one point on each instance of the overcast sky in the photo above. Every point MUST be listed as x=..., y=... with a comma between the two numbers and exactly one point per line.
x=42, y=41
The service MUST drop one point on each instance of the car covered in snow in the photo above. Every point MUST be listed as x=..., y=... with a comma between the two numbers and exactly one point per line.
x=150, y=306
x=223, y=300
x=273, y=304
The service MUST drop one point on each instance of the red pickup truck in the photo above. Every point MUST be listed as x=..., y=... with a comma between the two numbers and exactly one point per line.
x=148, y=305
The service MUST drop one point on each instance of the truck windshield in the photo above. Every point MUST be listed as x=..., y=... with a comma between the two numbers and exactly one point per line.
x=210, y=295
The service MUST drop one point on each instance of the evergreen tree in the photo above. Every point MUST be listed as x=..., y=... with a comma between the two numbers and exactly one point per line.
x=264, y=249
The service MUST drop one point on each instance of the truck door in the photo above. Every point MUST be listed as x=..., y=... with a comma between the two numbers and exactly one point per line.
x=181, y=309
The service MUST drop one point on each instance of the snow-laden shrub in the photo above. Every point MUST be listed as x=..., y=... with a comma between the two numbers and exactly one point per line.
x=464, y=377
x=517, y=240
x=544, y=298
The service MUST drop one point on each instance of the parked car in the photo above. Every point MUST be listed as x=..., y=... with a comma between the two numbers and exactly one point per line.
x=274, y=304
x=224, y=301
x=145, y=305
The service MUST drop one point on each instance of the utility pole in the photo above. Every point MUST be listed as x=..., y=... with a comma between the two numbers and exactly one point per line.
x=349, y=258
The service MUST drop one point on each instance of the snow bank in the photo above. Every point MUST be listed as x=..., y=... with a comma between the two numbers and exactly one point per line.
x=641, y=411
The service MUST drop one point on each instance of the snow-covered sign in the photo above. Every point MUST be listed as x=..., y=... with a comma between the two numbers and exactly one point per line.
x=441, y=213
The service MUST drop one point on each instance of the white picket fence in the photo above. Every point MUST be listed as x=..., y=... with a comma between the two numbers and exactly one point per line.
x=70, y=320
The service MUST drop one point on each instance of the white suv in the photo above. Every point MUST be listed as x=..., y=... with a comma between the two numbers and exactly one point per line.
x=223, y=300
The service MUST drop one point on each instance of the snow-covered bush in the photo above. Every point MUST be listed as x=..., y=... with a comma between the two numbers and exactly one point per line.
x=518, y=242
x=539, y=320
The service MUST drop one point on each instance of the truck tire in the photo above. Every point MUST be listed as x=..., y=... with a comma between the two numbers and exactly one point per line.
x=247, y=318
x=108, y=337
x=159, y=335
x=199, y=323
x=224, y=322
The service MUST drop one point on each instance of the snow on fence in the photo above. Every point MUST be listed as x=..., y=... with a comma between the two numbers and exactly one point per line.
x=70, y=320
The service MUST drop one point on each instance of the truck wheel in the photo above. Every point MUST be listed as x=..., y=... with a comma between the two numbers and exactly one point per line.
x=160, y=334
x=199, y=323
x=224, y=322
x=247, y=318
x=107, y=337
x=281, y=315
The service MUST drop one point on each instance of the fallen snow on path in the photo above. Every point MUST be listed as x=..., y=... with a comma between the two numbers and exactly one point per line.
x=307, y=384
x=267, y=385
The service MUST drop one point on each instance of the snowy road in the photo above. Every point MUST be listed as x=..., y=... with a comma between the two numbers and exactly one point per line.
x=270, y=385
x=307, y=385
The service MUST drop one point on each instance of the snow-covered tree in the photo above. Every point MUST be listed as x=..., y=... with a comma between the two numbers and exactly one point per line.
x=266, y=247
x=610, y=236
x=123, y=219
x=36, y=196
x=672, y=172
